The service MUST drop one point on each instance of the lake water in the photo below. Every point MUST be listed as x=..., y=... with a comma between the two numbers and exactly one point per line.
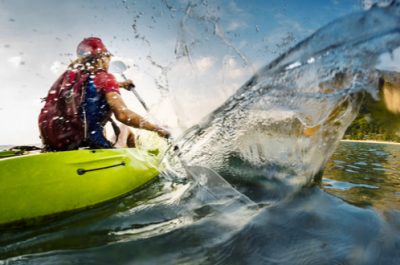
x=365, y=175
x=352, y=217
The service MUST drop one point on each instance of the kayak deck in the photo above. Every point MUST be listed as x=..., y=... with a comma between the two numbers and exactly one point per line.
x=44, y=184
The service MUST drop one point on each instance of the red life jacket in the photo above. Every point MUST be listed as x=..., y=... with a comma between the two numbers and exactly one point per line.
x=61, y=124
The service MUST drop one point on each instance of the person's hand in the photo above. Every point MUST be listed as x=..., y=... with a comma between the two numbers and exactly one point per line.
x=163, y=133
x=128, y=84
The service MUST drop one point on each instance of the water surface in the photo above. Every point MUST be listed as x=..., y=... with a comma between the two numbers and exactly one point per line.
x=352, y=218
x=366, y=175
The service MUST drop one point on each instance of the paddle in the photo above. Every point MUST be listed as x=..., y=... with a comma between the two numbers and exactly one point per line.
x=120, y=67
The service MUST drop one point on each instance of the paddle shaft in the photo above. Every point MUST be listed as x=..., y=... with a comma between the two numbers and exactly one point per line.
x=139, y=98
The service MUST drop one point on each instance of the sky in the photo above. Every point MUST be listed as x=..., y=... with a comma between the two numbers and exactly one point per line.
x=185, y=56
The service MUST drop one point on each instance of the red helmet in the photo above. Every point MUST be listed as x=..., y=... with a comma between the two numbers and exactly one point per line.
x=91, y=46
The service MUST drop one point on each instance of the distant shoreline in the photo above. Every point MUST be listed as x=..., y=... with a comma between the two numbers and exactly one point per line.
x=370, y=141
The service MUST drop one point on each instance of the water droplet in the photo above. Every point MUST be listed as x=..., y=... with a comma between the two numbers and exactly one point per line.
x=293, y=65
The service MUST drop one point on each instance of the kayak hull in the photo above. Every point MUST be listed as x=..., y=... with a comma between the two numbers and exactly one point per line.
x=44, y=184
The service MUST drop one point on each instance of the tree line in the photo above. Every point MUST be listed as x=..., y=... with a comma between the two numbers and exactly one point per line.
x=374, y=122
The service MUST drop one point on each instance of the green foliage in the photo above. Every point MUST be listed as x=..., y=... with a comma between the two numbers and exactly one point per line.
x=374, y=122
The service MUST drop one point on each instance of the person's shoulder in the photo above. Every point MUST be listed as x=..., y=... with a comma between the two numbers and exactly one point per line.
x=106, y=81
x=103, y=75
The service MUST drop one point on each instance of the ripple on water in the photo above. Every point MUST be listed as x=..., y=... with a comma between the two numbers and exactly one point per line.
x=341, y=185
x=375, y=183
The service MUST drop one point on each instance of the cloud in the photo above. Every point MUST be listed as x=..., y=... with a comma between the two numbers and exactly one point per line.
x=233, y=72
x=56, y=67
x=16, y=61
x=235, y=25
x=390, y=61
x=204, y=64
x=234, y=8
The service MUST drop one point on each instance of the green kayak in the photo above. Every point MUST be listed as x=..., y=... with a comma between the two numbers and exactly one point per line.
x=42, y=184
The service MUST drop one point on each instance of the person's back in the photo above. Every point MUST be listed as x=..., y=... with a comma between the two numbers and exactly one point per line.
x=60, y=124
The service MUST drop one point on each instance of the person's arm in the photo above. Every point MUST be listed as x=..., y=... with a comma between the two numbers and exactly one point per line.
x=130, y=118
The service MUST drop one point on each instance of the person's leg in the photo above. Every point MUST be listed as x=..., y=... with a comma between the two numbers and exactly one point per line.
x=130, y=141
x=126, y=138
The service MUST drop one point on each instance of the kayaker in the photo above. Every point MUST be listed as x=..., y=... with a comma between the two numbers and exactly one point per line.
x=87, y=83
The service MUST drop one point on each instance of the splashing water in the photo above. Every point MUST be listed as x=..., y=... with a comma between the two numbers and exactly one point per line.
x=285, y=122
